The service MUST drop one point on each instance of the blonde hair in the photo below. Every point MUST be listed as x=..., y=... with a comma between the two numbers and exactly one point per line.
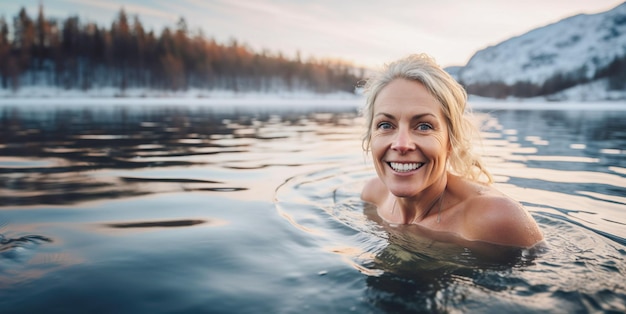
x=452, y=98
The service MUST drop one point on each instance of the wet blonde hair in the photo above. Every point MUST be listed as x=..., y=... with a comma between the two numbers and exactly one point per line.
x=451, y=96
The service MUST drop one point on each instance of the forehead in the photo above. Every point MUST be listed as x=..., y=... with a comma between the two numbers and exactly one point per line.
x=406, y=95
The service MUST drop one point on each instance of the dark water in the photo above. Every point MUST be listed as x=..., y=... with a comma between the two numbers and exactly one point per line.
x=209, y=209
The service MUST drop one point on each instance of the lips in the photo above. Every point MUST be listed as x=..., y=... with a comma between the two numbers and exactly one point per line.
x=405, y=166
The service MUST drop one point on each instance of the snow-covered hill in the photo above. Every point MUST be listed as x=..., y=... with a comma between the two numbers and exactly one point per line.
x=578, y=46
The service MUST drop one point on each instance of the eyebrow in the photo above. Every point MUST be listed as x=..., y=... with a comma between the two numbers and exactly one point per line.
x=415, y=117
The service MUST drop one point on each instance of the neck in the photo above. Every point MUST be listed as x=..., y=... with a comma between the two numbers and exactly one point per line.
x=417, y=208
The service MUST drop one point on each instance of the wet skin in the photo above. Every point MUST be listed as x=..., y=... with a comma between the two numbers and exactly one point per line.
x=410, y=146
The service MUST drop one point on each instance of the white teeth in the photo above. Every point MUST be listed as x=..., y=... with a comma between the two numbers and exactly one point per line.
x=405, y=167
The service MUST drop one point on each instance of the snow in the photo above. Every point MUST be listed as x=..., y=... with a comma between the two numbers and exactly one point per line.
x=583, y=43
x=47, y=91
x=593, y=91
x=35, y=96
x=596, y=91
x=542, y=104
x=592, y=96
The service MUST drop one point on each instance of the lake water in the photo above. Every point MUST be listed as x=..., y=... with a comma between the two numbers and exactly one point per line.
x=255, y=209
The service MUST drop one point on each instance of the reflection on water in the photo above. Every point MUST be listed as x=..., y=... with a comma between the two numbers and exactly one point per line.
x=153, y=224
x=6, y=244
x=557, y=160
x=556, y=163
x=72, y=156
x=199, y=209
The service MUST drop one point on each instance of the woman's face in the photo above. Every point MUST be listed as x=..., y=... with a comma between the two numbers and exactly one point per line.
x=409, y=140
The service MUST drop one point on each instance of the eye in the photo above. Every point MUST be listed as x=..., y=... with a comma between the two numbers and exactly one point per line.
x=384, y=126
x=424, y=127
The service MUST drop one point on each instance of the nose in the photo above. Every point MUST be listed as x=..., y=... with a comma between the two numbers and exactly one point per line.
x=403, y=142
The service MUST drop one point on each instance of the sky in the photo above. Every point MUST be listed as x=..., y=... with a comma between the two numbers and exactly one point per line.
x=365, y=32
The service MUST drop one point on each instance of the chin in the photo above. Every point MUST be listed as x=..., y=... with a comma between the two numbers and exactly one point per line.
x=402, y=191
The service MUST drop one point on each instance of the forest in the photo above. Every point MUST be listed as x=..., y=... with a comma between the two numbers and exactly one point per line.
x=72, y=55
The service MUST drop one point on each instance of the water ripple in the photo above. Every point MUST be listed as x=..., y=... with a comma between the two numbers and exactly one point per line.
x=8, y=244
x=158, y=224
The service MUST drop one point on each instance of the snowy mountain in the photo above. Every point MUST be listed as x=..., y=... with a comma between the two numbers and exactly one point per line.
x=577, y=50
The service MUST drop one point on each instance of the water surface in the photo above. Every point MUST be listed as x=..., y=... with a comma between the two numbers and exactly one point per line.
x=170, y=209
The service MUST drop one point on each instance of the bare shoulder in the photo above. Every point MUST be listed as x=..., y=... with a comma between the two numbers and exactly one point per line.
x=374, y=191
x=495, y=218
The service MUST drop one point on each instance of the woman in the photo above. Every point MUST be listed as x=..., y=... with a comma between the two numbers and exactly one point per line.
x=420, y=141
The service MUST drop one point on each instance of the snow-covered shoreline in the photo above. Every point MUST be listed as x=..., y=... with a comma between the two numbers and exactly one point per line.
x=34, y=97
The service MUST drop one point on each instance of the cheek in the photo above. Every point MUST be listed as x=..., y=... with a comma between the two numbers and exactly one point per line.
x=436, y=147
x=376, y=144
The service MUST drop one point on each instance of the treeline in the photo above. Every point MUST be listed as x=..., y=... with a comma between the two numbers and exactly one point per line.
x=72, y=55
x=615, y=73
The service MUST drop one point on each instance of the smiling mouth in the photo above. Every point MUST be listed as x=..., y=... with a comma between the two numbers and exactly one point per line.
x=405, y=167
